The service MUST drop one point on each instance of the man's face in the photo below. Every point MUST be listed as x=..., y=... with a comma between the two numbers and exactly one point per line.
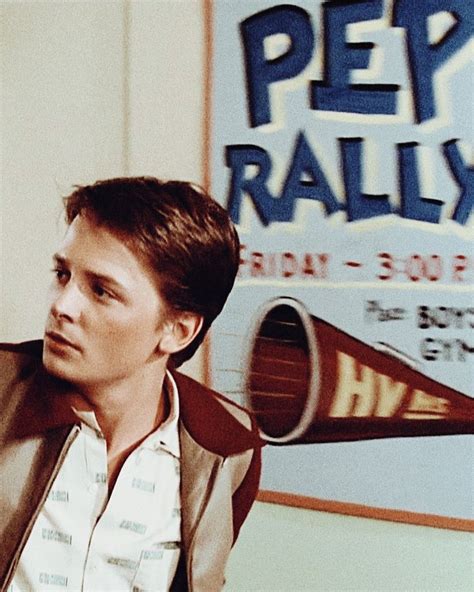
x=106, y=315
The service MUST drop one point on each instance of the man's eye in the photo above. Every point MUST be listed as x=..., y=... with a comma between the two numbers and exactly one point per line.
x=61, y=274
x=101, y=292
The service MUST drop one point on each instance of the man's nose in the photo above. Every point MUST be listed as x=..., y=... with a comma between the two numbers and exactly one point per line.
x=67, y=302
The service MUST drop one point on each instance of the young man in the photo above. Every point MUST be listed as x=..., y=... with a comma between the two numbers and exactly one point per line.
x=117, y=472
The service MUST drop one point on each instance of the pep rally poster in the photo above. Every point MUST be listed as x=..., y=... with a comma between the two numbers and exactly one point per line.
x=340, y=141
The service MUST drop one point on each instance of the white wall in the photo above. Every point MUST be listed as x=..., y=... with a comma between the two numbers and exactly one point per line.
x=90, y=90
x=166, y=93
x=61, y=122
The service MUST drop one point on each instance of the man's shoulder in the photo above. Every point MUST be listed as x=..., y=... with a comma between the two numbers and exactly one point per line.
x=32, y=349
x=188, y=384
x=19, y=360
x=213, y=419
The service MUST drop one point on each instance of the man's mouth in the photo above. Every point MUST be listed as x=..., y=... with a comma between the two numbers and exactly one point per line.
x=60, y=340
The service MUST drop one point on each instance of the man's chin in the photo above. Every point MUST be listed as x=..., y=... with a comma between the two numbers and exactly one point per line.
x=55, y=369
x=58, y=367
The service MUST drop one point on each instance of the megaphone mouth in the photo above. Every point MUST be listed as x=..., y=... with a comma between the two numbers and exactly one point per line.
x=282, y=378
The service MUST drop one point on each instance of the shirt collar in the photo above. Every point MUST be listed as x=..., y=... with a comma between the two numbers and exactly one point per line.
x=165, y=437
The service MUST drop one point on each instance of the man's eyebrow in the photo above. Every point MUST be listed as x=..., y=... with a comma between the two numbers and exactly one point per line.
x=57, y=258
x=92, y=275
x=105, y=279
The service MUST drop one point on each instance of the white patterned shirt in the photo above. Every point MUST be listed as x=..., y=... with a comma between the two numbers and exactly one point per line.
x=85, y=541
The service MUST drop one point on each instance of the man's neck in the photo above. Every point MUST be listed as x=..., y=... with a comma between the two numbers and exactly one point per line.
x=128, y=410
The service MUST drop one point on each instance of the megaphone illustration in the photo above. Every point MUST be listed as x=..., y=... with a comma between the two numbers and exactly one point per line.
x=307, y=381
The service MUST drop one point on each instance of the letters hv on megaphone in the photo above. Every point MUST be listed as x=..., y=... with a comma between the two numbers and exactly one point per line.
x=307, y=381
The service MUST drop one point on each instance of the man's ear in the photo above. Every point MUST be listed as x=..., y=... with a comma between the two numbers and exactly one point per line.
x=179, y=332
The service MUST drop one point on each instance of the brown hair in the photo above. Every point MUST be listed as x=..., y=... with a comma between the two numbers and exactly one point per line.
x=186, y=237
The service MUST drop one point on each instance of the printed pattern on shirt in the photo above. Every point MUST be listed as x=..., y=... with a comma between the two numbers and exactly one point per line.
x=85, y=540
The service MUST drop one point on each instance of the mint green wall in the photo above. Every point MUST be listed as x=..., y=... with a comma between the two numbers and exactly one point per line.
x=283, y=549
